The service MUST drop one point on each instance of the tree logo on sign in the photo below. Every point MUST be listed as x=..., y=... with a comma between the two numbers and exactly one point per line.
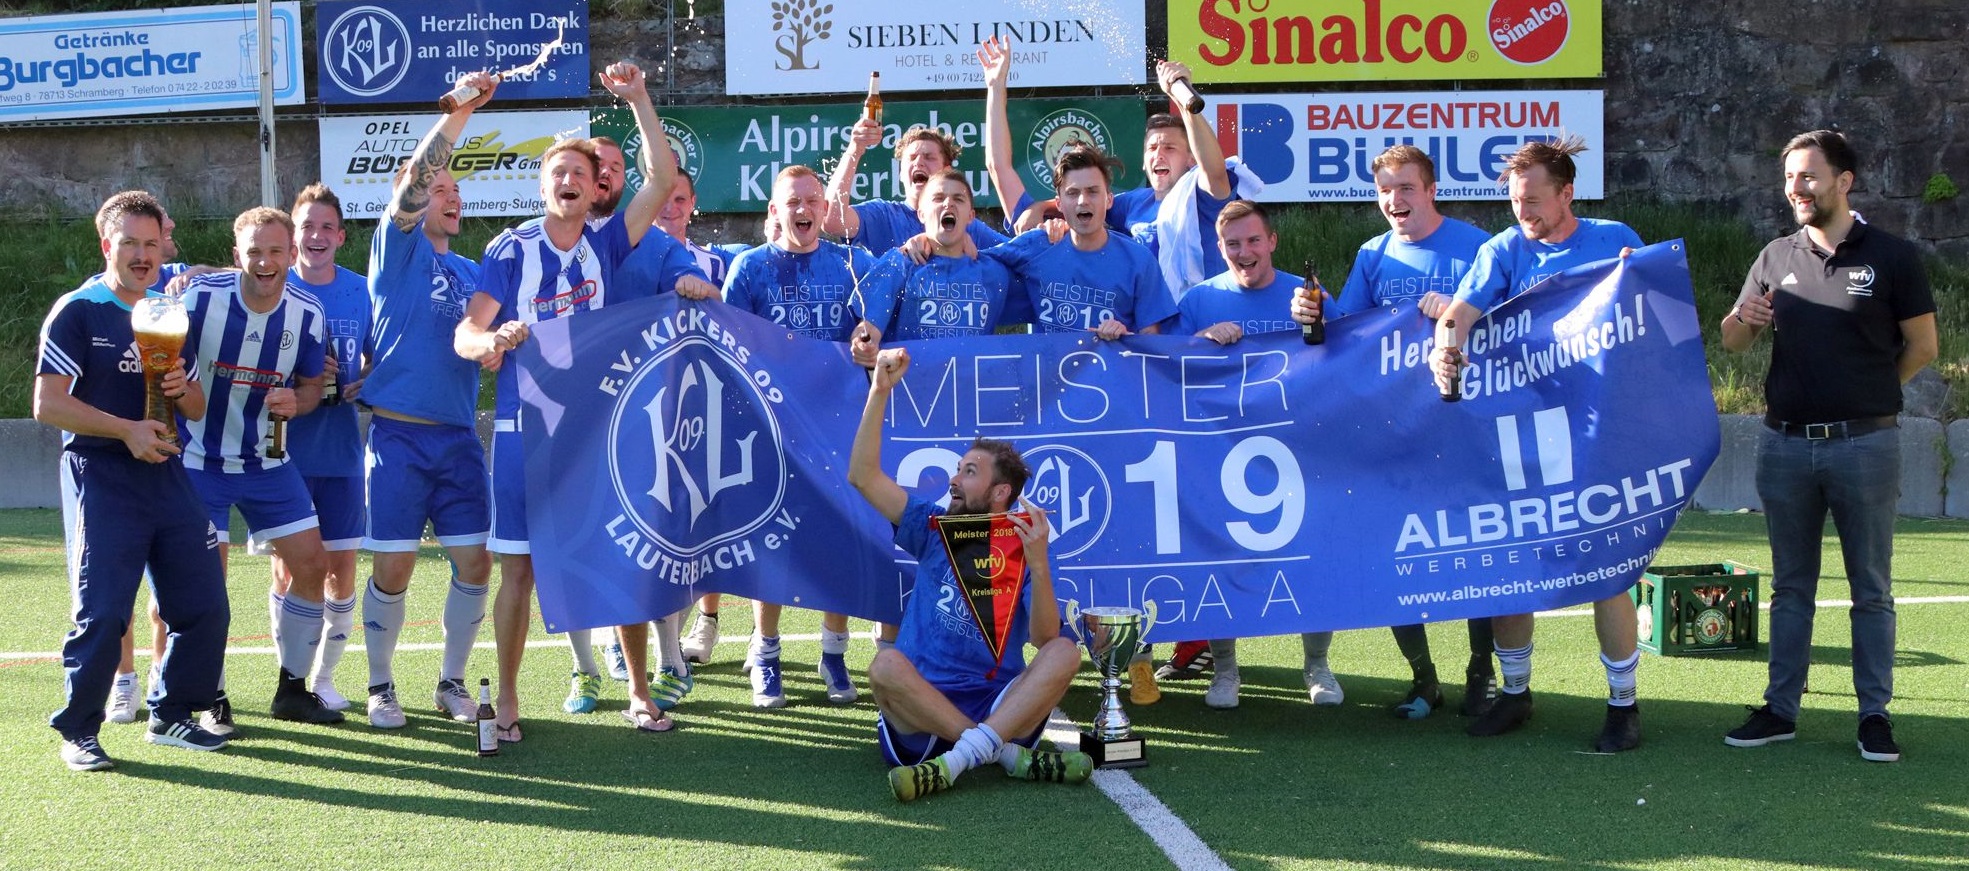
x=799, y=24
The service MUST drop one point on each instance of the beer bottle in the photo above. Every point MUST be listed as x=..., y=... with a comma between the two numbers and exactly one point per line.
x=462, y=94
x=1675, y=607
x=277, y=448
x=871, y=108
x=488, y=728
x=1185, y=95
x=331, y=387
x=1454, y=390
x=1315, y=332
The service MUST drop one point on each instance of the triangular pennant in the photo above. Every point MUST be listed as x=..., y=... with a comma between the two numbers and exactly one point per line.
x=989, y=560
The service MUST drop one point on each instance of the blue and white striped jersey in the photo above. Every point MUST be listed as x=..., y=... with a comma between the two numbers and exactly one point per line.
x=534, y=281
x=240, y=355
x=713, y=262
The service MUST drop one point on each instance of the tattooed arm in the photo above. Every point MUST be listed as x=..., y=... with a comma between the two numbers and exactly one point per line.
x=413, y=189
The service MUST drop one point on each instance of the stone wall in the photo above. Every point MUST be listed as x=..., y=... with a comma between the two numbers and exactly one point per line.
x=1700, y=96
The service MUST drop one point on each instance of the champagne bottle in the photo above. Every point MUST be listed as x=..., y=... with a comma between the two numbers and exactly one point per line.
x=1315, y=332
x=1454, y=390
x=872, y=107
x=488, y=730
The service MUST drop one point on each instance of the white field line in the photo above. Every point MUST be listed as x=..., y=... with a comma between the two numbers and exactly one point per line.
x=1184, y=849
x=558, y=643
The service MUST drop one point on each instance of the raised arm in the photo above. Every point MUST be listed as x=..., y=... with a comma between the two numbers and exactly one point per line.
x=865, y=461
x=1216, y=179
x=995, y=56
x=413, y=193
x=625, y=80
x=841, y=218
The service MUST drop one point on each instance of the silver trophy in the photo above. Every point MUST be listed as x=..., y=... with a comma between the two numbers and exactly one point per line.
x=1111, y=635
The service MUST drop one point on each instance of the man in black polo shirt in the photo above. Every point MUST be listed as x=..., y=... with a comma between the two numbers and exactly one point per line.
x=1851, y=319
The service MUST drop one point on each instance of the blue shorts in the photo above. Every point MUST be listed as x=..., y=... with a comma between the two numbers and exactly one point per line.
x=422, y=472
x=508, y=491
x=915, y=748
x=338, y=502
x=274, y=501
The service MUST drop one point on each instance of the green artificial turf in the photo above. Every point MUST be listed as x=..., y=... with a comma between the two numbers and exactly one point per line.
x=1273, y=784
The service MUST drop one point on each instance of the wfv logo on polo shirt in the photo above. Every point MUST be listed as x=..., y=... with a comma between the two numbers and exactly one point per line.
x=1859, y=282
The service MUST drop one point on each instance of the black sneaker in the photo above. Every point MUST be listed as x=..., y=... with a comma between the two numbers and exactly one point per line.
x=1762, y=728
x=218, y=720
x=84, y=754
x=1479, y=692
x=182, y=733
x=1877, y=740
x=292, y=701
x=1510, y=711
x=1192, y=659
x=1622, y=730
x=1424, y=698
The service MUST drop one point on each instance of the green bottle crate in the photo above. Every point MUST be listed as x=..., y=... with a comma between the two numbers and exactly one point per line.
x=1686, y=610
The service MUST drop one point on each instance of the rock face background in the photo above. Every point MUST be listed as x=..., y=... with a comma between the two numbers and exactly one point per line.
x=1700, y=97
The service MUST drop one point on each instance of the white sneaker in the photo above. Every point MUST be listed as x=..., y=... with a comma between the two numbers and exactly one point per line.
x=122, y=702
x=331, y=698
x=1224, y=684
x=385, y=712
x=703, y=638
x=454, y=702
x=1322, y=687
x=217, y=720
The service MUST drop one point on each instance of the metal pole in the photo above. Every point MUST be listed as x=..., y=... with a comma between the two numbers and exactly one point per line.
x=269, y=179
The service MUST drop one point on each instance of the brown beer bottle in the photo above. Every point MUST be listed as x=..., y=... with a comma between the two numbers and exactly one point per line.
x=1185, y=94
x=872, y=107
x=277, y=447
x=1454, y=390
x=331, y=389
x=1315, y=332
x=488, y=728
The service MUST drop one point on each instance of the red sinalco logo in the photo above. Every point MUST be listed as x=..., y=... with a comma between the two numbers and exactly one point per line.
x=1529, y=31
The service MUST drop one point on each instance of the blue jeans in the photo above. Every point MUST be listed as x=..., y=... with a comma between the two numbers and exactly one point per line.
x=1859, y=481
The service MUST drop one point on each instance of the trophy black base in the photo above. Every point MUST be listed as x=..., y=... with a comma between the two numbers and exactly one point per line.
x=1118, y=753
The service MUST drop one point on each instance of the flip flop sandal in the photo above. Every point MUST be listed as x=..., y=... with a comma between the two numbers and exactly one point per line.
x=645, y=722
x=507, y=734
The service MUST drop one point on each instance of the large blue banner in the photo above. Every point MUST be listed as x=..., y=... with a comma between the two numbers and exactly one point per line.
x=412, y=51
x=677, y=448
x=1259, y=488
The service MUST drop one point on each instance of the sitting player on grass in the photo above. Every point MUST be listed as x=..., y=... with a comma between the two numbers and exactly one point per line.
x=947, y=704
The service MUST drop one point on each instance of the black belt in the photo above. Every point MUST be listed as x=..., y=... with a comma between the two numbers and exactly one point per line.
x=1840, y=429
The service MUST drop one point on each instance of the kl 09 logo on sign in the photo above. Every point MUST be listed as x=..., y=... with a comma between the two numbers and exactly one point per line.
x=368, y=51
x=1528, y=31
x=713, y=445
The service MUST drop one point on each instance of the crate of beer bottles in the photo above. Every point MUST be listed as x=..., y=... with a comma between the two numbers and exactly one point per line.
x=1686, y=610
